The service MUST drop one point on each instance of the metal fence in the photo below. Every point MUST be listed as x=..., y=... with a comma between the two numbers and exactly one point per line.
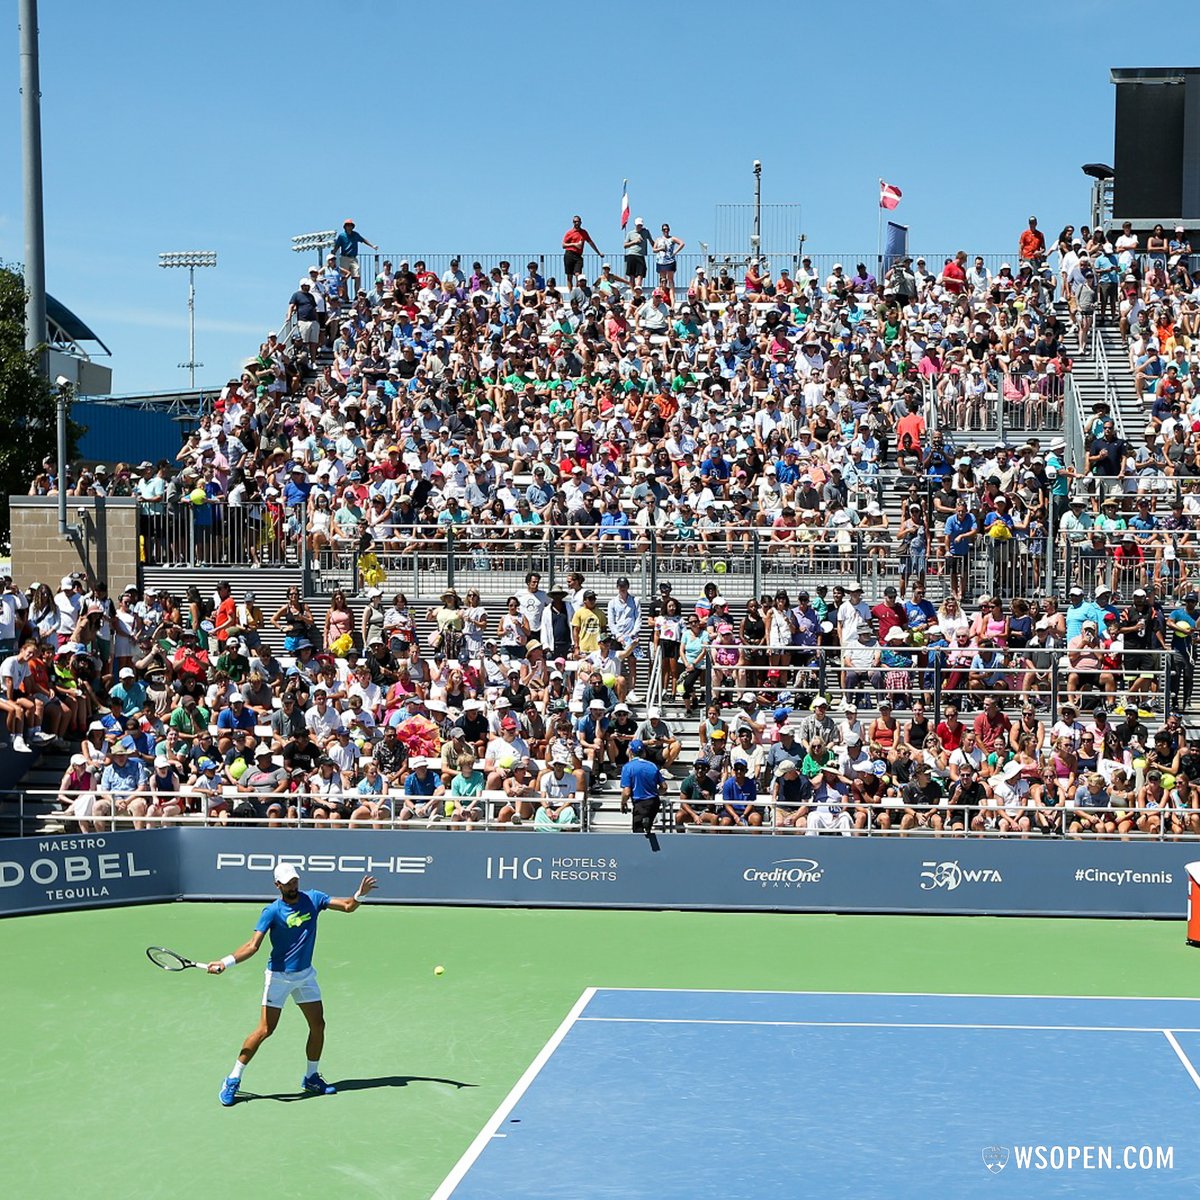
x=1048, y=551
x=734, y=261
x=997, y=402
x=210, y=532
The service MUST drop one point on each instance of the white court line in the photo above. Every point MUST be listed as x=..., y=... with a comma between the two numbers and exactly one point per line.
x=485, y=1135
x=1183, y=1058
x=884, y=1025
x=950, y=995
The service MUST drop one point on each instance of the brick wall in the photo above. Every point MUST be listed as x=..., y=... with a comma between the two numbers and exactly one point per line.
x=108, y=549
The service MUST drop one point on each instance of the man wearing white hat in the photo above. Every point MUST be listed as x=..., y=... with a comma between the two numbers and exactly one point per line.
x=292, y=923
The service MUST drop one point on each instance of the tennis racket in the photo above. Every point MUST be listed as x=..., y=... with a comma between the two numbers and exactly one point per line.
x=170, y=961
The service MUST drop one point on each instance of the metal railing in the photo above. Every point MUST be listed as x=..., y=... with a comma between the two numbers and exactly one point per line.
x=742, y=561
x=1015, y=812
x=1109, y=392
x=1010, y=403
x=935, y=673
x=550, y=263
x=212, y=532
x=394, y=810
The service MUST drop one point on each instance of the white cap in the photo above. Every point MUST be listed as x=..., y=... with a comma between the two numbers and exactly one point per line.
x=126, y=673
x=285, y=873
x=77, y=760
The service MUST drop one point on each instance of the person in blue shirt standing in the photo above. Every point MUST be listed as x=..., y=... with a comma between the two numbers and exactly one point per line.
x=345, y=246
x=961, y=530
x=641, y=782
x=291, y=922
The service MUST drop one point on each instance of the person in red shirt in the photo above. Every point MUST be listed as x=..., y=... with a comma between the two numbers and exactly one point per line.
x=991, y=727
x=1031, y=246
x=910, y=433
x=954, y=274
x=889, y=614
x=950, y=729
x=573, y=243
x=226, y=612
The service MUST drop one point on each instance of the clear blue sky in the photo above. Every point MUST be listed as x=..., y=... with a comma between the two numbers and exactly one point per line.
x=471, y=126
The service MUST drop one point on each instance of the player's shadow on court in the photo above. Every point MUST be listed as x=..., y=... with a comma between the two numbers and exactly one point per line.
x=353, y=1085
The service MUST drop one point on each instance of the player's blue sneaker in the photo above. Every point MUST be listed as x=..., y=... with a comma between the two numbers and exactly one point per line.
x=314, y=1085
x=229, y=1090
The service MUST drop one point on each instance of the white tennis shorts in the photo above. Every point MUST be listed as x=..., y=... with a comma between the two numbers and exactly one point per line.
x=300, y=985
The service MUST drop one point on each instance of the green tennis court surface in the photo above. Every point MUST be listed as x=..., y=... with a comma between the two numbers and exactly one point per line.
x=114, y=1066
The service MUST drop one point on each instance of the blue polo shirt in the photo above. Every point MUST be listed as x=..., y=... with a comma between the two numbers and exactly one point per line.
x=346, y=243
x=642, y=778
x=955, y=527
x=740, y=796
x=292, y=929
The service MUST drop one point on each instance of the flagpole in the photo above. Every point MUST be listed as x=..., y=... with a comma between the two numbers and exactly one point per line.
x=879, y=242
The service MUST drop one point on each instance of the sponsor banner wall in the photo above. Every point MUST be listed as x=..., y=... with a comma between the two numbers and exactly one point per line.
x=948, y=875
x=87, y=870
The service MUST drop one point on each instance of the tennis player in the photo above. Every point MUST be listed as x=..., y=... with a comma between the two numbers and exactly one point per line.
x=292, y=923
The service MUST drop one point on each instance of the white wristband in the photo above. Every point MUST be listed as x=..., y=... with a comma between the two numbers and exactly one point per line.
x=228, y=961
x=358, y=898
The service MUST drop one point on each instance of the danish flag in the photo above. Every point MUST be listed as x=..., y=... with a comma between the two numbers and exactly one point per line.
x=889, y=195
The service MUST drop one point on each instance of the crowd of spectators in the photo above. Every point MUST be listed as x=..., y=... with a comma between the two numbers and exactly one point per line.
x=178, y=706
x=695, y=414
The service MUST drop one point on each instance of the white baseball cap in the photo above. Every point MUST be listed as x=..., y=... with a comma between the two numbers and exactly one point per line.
x=285, y=873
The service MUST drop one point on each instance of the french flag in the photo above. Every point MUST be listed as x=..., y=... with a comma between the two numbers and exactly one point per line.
x=624, y=203
x=889, y=195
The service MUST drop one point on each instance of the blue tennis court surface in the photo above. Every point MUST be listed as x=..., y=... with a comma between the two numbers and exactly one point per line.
x=680, y=1094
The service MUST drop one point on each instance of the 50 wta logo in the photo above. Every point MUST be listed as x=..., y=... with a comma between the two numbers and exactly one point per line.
x=949, y=875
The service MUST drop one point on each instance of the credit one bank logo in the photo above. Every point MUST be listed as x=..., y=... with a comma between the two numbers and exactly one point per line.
x=786, y=873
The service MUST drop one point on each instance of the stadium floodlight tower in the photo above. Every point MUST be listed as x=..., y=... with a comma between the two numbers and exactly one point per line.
x=190, y=259
x=302, y=243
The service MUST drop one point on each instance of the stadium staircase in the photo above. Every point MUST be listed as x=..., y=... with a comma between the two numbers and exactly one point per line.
x=1132, y=413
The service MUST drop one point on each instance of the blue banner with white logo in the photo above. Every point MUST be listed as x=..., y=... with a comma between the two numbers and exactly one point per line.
x=88, y=870
x=781, y=873
x=801, y=874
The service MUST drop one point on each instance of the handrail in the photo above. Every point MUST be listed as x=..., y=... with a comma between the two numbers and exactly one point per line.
x=770, y=808
x=654, y=683
x=1109, y=392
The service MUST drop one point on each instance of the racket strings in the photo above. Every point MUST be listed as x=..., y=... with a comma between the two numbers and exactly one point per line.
x=167, y=959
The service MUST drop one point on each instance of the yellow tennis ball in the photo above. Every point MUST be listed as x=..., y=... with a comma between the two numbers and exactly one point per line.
x=238, y=769
x=198, y=496
x=610, y=681
x=439, y=970
x=1168, y=780
x=1139, y=764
